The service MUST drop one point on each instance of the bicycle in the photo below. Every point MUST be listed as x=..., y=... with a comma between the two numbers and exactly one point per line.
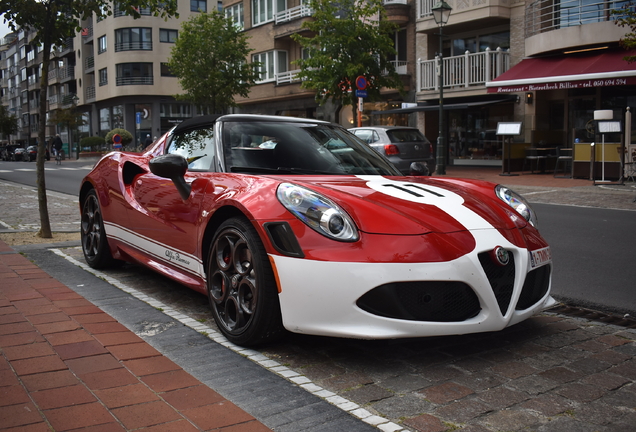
x=58, y=157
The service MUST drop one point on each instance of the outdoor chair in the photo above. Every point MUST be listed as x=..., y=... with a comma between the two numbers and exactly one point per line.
x=564, y=157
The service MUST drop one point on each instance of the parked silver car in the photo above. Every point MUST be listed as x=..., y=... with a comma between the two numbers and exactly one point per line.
x=401, y=145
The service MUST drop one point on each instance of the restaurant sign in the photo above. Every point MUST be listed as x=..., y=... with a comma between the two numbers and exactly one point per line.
x=510, y=87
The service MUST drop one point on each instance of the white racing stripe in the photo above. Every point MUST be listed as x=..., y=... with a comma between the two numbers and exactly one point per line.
x=158, y=250
x=447, y=201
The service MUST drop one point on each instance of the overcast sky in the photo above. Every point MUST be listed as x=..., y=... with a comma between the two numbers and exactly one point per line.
x=4, y=27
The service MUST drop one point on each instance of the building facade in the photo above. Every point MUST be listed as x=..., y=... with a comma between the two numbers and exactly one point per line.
x=115, y=72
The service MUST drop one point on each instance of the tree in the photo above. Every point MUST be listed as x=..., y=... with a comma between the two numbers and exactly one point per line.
x=352, y=39
x=626, y=17
x=209, y=60
x=53, y=22
x=8, y=122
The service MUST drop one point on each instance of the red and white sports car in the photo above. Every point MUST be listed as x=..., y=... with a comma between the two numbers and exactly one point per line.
x=295, y=224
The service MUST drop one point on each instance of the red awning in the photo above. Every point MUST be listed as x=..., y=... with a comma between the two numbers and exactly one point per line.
x=569, y=71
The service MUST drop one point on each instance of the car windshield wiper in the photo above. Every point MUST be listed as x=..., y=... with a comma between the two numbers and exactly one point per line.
x=279, y=170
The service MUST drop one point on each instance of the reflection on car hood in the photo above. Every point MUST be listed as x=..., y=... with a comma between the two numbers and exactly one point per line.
x=414, y=205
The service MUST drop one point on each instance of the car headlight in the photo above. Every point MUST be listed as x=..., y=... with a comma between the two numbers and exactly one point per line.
x=518, y=203
x=317, y=211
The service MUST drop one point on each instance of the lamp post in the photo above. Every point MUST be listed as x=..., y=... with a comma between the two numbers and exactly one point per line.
x=441, y=13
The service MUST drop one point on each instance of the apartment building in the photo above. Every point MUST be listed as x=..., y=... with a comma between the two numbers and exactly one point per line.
x=115, y=71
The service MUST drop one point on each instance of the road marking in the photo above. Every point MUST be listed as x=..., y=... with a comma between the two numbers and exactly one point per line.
x=255, y=356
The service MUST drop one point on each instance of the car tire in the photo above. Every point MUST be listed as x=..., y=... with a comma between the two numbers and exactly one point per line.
x=94, y=242
x=241, y=286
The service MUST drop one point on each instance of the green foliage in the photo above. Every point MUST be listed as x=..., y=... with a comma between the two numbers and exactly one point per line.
x=349, y=42
x=126, y=137
x=8, y=122
x=70, y=117
x=626, y=17
x=209, y=59
x=95, y=143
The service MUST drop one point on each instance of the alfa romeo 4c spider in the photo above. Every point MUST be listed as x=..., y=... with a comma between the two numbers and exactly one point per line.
x=295, y=224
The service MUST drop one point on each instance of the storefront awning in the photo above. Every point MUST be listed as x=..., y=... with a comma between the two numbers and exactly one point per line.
x=569, y=71
x=435, y=107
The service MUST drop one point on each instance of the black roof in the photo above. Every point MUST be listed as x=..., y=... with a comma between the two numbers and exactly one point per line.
x=196, y=123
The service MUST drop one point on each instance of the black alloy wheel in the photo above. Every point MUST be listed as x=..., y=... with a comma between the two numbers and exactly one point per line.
x=94, y=241
x=241, y=286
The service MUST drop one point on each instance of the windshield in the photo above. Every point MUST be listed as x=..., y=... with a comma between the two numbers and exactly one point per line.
x=298, y=148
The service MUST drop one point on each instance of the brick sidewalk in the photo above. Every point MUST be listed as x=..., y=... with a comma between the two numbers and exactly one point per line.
x=66, y=365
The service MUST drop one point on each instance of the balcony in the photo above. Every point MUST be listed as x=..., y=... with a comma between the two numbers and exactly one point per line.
x=66, y=73
x=133, y=46
x=293, y=13
x=287, y=77
x=89, y=64
x=543, y=16
x=140, y=80
x=493, y=12
x=290, y=20
x=67, y=48
x=465, y=71
x=401, y=67
x=53, y=101
x=557, y=25
x=89, y=94
x=53, y=76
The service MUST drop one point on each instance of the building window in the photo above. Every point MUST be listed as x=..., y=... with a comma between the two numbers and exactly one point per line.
x=264, y=10
x=104, y=120
x=103, y=77
x=198, y=6
x=479, y=43
x=168, y=35
x=134, y=38
x=134, y=74
x=175, y=110
x=165, y=70
x=101, y=44
x=236, y=13
x=271, y=63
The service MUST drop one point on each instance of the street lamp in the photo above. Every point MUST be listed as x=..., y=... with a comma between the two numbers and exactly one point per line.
x=441, y=13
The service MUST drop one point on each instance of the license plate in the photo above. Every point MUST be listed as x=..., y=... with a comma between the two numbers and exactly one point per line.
x=540, y=257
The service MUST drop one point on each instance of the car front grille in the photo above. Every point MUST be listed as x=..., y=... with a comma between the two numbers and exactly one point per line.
x=436, y=301
x=535, y=287
x=501, y=278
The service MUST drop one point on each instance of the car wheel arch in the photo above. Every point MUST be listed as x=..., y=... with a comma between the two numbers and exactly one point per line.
x=219, y=216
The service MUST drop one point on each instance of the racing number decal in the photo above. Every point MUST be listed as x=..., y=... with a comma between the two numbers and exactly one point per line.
x=447, y=201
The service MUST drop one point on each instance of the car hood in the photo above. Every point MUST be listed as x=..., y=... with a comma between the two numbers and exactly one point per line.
x=416, y=205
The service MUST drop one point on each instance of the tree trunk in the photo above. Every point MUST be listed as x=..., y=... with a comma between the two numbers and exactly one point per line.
x=45, y=224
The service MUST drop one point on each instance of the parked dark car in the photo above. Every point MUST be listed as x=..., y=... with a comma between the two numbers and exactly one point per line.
x=32, y=154
x=19, y=154
x=401, y=145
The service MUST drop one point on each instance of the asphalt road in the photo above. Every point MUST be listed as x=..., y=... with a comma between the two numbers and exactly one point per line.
x=64, y=178
x=593, y=254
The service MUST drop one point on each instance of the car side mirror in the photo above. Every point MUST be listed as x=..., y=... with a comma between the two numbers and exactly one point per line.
x=418, y=169
x=174, y=167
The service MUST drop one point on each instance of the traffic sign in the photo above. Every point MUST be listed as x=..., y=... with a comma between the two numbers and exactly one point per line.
x=138, y=117
x=361, y=83
x=361, y=93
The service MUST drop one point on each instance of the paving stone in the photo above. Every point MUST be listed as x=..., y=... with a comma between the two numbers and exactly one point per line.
x=348, y=381
x=511, y=420
x=447, y=392
x=62, y=396
x=598, y=413
x=514, y=369
x=561, y=375
x=463, y=411
x=533, y=385
x=425, y=423
x=367, y=393
x=403, y=405
x=502, y=397
x=548, y=405
x=405, y=383
x=606, y=381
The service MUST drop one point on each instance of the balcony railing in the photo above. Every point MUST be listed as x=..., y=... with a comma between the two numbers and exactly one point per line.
x=470, y=69
x=400, y=67
x=90, y=93
x=141, y=80
x=67, y=72
x=424, y=8
x=287, y=77
x=394, y=2
x=293, y=13
x=543, y=16
x=133, y=46
x=89, y=62
x=53, y=100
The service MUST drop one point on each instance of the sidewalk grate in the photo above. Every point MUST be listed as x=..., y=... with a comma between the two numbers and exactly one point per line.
x=607, y=318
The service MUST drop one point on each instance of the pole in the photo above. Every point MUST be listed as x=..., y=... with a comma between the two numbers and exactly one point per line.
x=441, y=148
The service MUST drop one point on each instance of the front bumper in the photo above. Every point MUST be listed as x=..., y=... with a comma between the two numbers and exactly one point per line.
x=321, y=298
